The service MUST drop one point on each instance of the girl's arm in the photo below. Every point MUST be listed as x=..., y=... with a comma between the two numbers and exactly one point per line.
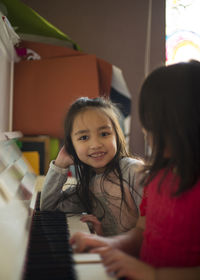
x=52, y=196
x=129, y=242
x=120, y=264
x=52, y=189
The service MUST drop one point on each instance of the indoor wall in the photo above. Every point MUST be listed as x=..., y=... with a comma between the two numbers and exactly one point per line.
x=125, y=33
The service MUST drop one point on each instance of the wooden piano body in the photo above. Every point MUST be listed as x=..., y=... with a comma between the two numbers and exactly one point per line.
x=19, y=188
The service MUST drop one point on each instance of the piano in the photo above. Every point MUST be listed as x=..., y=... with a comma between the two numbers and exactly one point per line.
x=34, y=244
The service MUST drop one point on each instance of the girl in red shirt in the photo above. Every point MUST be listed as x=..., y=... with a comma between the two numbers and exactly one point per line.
x=165, y=244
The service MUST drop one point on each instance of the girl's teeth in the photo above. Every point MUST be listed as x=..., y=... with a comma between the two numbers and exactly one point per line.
x=97, y=155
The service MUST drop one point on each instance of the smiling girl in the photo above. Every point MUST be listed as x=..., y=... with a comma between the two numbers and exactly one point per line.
x=107, y=186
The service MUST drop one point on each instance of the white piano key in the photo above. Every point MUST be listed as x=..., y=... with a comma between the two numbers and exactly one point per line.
x=81, y=258
x=92, y=271
x=76, y=225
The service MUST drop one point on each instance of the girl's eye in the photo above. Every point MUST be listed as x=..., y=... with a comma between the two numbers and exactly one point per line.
x=84, y=137
x=105, y=133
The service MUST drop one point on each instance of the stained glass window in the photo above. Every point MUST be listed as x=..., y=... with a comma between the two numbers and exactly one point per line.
x=182, y=30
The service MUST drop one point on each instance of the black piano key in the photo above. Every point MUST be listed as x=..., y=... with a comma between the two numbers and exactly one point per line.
x=49, y=253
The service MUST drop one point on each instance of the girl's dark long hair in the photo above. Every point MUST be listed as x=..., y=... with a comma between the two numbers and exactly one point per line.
x=169, y=110
x=84, y=172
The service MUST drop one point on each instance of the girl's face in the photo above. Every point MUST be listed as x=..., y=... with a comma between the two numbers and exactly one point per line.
x=94, y=139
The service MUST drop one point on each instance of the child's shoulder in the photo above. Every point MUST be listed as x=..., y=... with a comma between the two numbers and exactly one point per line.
x=127, y=162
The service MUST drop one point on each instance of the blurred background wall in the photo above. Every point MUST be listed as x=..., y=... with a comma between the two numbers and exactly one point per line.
x=127, y=33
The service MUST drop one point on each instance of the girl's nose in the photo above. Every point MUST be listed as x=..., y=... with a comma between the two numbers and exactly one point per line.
x=95, y=143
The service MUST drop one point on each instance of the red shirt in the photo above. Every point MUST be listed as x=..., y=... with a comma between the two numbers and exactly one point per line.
x=172, y=234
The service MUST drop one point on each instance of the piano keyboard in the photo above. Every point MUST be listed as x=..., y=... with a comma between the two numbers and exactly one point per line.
x=49, y=253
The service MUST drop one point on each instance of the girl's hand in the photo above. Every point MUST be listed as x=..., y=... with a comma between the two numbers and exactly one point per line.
x=63, y=160
x=119, y=264
x=96, y=224
x=83, y=242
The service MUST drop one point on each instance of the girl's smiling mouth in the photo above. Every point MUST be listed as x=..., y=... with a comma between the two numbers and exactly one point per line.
x=97, y=155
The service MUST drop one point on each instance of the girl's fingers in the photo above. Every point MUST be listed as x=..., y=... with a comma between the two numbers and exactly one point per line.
x=113, y=268
x=93, y=223
x=84, y=241
x=88, y=217
x=80, y=241
x=107, y=251
x=103, y=250
x=108, y=255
